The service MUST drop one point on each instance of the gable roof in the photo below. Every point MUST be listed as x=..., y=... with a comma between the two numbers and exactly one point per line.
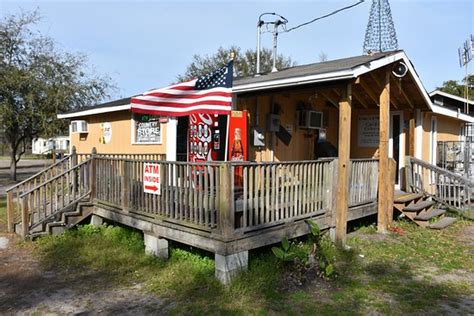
x=340, y=69
x=332, y=66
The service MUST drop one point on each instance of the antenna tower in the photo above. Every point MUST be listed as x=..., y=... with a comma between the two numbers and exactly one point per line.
x=380, y=34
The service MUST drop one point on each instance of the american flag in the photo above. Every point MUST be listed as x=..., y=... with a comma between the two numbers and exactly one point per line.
x=211, y=93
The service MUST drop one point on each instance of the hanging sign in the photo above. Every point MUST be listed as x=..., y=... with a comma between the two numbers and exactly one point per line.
x=201, y=138
x=151, y=178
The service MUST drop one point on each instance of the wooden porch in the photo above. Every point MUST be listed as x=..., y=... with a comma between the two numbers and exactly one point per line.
x=223, y=207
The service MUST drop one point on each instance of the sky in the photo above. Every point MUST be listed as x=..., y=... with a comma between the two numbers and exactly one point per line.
x=147, y=44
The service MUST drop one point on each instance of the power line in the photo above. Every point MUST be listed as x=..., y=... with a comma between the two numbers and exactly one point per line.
x=325, y=16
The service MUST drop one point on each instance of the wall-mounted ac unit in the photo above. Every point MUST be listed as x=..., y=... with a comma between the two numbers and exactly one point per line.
x=79, y=127
x=310, y=119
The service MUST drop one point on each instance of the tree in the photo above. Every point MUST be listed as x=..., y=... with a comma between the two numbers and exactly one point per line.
x=458, y=88
x=244, y=63
x=37, y=81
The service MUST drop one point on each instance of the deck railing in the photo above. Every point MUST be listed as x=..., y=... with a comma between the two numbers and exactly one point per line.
x=363, y=182
x=222, y=198
x=444, y=186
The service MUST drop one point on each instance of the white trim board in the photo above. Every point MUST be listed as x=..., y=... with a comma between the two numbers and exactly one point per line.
x=451, y=96
x=95, y=111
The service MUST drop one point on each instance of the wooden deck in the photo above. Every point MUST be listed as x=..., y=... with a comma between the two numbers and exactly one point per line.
x=226, y=208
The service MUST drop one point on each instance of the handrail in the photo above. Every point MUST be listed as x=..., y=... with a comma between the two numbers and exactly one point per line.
x=55, y=177
x=217, y=163
x=442, y=171
x=37, y=174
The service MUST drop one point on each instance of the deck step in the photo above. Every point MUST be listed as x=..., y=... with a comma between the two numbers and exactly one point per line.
x=405, y=198
x=418, y=206
x=425, y=216
x=443, y=223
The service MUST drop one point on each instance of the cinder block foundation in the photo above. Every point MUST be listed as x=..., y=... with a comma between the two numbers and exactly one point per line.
x=227, y=267
x=96, y=220
x=156, y=246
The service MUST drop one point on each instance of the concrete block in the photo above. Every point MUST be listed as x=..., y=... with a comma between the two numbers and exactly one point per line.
x=227, y=267
x=156, y=246
x=96, y=220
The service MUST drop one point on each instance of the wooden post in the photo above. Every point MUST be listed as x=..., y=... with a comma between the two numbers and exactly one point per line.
x=125, y=186
x=25, y=217
x=392, y=169
x=345, y=109
x=10, y=213
x=93, y=174
x=73, y=157
x=384, y=110
x=411, y=133
x=226, y=201
x=332, y=201
x=408, y=175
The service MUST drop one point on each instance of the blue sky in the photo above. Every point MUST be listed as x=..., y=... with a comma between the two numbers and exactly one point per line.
x=146, y=44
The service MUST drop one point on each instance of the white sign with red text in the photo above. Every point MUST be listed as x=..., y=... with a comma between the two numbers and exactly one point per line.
x=151, y=178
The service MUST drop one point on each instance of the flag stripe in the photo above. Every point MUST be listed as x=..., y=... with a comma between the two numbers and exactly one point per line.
x=195, y=95
x=182, y=104
x=211, y=93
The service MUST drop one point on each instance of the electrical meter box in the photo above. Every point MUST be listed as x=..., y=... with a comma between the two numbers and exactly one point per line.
x=258, y=137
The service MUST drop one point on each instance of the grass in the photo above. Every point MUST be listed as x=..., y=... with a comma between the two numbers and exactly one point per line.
x=392, y=274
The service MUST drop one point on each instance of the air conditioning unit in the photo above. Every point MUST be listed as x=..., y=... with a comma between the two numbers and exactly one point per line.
x=79, y=127
x=310, y=119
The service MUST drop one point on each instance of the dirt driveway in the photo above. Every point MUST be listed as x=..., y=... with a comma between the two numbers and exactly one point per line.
x=27, y=289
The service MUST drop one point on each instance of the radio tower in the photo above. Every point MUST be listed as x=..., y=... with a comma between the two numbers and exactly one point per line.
x=380, y=34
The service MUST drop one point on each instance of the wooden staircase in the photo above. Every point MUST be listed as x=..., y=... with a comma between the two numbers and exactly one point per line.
x=53, y=200
x=421, y=210
x=57, y=224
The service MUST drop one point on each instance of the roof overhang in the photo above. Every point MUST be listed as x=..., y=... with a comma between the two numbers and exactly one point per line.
x=451, y=113
x=451, y=96
x=95, y=111
x=338, y=75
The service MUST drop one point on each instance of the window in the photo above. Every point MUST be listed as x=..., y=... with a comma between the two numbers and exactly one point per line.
x=146, y=129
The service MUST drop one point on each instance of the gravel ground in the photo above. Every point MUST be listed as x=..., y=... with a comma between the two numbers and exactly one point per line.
x=27, y=289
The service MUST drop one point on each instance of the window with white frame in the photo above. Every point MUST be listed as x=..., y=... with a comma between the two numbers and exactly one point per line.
x=146, y=129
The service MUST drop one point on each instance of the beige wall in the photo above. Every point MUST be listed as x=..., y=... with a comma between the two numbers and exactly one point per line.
x=448, y=130
x=121, y=141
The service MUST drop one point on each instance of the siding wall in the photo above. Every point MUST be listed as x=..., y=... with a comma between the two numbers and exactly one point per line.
x=121, y=141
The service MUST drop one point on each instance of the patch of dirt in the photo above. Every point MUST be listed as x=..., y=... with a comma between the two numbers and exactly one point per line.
x=466, y=235
x=26, y=289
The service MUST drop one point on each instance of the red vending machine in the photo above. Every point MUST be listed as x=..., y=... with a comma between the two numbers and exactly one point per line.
x=237, y=142
x=205, y=140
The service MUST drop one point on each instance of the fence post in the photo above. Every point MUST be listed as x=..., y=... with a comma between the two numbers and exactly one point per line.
x=333, y=174
x=226, y=201
x=93, y=174
x=10, y=213
x=25, y=217
x=392, y=168
x=73, y=157
x=125, y=186
x=408, y=175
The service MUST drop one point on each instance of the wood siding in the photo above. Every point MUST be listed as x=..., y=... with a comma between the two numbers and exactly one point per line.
x=121, y=141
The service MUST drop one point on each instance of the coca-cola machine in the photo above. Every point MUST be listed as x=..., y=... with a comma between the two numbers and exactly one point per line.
x=206, y=139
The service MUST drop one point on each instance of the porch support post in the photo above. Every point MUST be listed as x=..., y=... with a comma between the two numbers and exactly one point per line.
x=383, y=220
x=411, y=133
x=171, y=138
x=343, y=170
